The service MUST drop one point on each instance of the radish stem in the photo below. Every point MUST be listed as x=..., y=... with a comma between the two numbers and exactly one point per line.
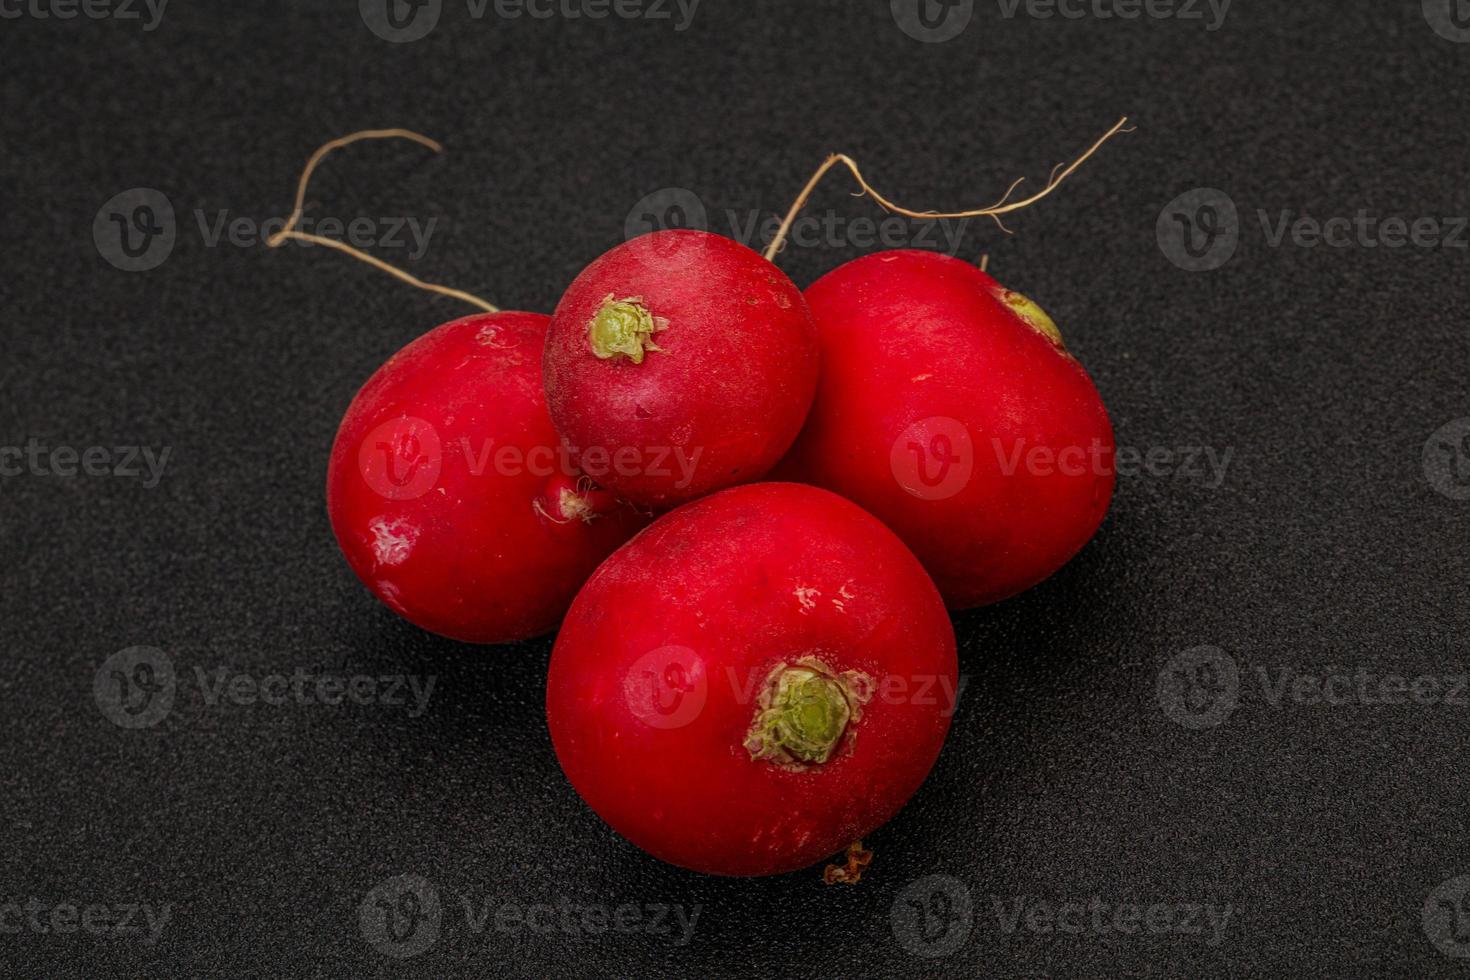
x=290, y=232
x=993, y=212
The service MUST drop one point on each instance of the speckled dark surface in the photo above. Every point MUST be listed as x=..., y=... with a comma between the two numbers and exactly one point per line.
x=1327, y=829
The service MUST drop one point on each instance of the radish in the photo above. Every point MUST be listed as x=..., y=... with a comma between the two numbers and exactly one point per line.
x=679, y=363
x=949, y=408
x=445, y=488
x=757, y=680
x=448, y=496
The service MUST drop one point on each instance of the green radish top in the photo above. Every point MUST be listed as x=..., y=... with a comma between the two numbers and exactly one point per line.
x=1034, y=315
x=803, y=712
x=623, y=327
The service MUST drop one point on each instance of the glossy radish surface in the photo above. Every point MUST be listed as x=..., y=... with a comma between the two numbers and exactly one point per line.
x=679, y=363
x=754, y=682
x=949, y=408
x=447, y=493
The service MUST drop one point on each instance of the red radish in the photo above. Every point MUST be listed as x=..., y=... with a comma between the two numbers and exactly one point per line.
x=679, y=363
x=754, y=682
x=949, y=408
x=447, y=492
x=446, y=488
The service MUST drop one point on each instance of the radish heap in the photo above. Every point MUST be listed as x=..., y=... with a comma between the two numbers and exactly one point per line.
x=766, y=673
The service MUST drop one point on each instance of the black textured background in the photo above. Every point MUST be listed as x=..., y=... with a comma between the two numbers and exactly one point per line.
x=1327, y=829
